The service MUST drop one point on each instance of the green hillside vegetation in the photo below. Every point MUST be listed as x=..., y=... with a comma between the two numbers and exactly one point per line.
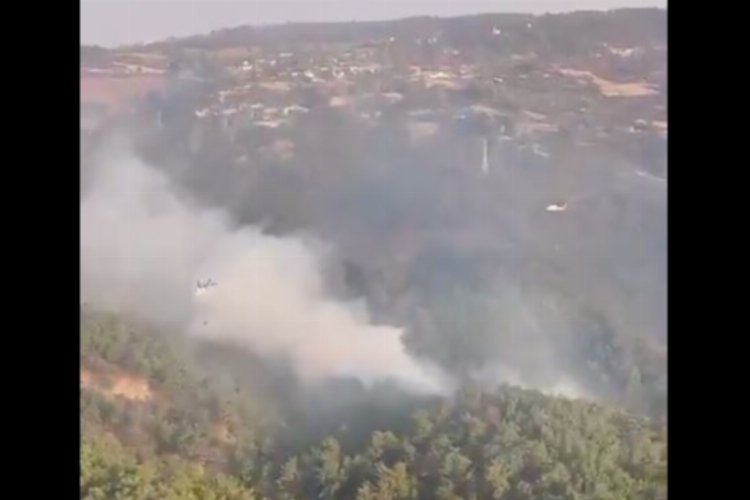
x=201, y=436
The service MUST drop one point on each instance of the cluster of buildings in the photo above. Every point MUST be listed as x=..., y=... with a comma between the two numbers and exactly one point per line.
x=425, y=84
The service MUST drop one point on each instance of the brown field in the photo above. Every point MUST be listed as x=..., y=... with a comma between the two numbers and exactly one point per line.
x=117, y=91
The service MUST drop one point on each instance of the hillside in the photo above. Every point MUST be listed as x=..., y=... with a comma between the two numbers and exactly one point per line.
x=486, y=193
x=180, y=436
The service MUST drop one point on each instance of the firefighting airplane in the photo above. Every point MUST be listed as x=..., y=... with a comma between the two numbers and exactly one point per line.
x=203, y=286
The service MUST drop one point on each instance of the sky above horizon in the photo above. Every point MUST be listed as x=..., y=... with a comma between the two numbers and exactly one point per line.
x=118, y=22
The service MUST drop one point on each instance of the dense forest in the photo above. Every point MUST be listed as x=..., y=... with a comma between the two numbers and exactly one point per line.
x=198, y=436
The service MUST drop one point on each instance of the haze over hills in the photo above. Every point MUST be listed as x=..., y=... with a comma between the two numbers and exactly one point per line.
x=120, y=22
x=459, y=217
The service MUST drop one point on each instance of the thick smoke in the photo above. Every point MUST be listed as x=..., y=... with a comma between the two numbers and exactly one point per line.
x=543, y=299
x=144, y=245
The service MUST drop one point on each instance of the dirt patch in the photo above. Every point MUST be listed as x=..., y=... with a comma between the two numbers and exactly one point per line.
x=609, y=88
x=131, y=388
x=117, y=385
x=223, y=434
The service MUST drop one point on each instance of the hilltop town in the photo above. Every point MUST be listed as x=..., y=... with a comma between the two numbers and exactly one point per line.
x=533, y=84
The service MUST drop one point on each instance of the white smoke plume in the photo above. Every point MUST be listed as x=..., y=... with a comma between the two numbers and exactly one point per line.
x=144, y=246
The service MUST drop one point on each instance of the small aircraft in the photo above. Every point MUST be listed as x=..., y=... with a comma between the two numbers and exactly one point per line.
x=203, y=286
x=557, y=207
x=538, y=151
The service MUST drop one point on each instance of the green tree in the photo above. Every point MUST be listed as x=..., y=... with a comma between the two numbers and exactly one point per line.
x=330, y=471
x=290, y=480
x=498, y=477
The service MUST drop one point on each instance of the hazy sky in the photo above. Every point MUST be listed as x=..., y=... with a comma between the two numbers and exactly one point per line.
x=115, y=22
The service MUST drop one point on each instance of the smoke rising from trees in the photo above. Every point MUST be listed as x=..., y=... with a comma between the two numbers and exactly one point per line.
x=144, y=246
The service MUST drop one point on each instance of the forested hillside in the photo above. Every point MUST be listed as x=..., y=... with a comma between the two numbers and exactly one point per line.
x=172, y=431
